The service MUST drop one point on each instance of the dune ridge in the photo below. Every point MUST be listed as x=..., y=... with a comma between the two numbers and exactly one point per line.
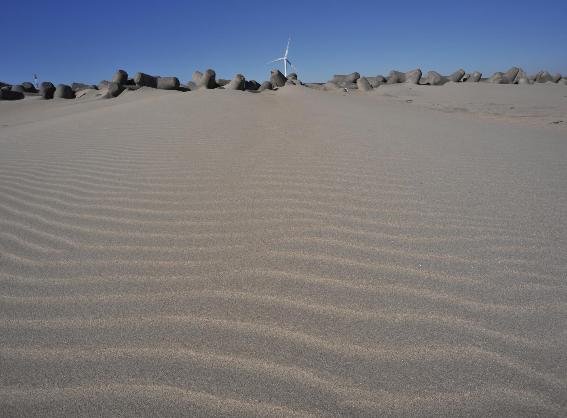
x=290, y=253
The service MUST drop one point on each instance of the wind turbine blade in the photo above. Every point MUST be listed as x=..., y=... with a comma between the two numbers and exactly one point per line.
x=287, y=48
x=276, y=60
x=291, y=65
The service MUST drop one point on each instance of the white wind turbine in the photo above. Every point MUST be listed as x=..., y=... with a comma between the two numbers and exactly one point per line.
x=285, y=60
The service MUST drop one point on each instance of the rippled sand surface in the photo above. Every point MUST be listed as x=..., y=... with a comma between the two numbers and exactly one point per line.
x=288, y=253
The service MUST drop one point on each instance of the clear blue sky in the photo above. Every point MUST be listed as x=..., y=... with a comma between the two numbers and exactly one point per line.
x=66, y=41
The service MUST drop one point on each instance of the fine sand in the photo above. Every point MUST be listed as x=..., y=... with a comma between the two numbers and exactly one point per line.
x=221, y=253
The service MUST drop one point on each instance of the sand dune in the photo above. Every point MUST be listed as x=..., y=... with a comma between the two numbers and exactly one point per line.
x=290, y=253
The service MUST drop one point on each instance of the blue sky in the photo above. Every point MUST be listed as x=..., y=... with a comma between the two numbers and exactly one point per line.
x=66, y=41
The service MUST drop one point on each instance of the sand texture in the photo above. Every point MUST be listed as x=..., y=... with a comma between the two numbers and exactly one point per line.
x=292, y=253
